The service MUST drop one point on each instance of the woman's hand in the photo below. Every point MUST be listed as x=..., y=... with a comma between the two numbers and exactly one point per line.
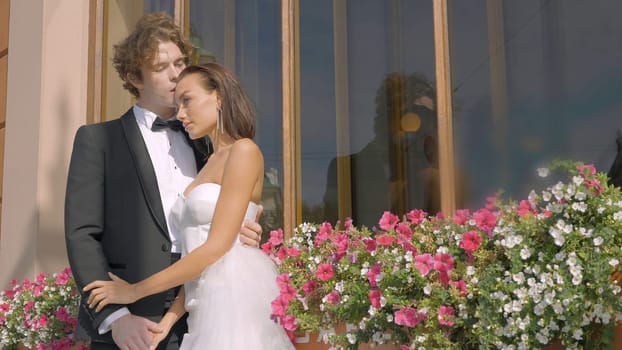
x=116, y=291
x=159, y=336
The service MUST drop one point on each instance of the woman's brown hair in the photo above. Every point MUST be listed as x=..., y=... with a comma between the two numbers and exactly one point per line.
x=238, y=114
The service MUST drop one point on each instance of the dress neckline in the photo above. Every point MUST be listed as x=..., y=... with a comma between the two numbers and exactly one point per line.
x=185, y=196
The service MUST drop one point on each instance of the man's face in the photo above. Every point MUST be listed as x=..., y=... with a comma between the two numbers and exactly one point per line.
x=157, y=88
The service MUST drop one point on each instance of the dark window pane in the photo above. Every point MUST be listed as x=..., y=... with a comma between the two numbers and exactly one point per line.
x=367, y=109
x=533, y=81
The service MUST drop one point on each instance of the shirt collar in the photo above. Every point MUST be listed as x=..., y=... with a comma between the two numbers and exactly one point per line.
x=144, y=116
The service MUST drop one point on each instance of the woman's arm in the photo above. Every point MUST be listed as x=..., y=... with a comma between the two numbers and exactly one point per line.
x=243, y=172
x=174, y=313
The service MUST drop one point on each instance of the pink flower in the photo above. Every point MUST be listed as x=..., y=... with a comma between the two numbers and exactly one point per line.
x=587, y=169
x=283, y=280
x=485, y=220
x=388, y=221
x=324, y=233
x=491, y=202
x=443, y=262
x=26, y=284
x=416, y=216
x=461, y=286
x=267, y=247
x=309, y=287
x=333, y=297
x=41, y=278
x=62, y=278
x=385, y=240
x=281, y=253
x=524, y=208
x=279, y=306
x=29, y=306
x=370, y=244
x=470, y=241
x=446, y=316
x=424, y=263
x=324, y=272
x=37, y=290
x=292, y=251
x=62, y=314
x=347, y=225
x=289, y=323
x=276, y=237
x=404, y=231
x=461, y=216
x=373, y=273
x=408, y=317
x=409, y=247
x=374, y=298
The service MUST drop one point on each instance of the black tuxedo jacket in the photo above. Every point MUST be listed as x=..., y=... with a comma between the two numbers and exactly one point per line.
x=114, y=219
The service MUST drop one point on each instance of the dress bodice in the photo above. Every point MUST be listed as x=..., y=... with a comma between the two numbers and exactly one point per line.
x=218, y=302
x=192, y=215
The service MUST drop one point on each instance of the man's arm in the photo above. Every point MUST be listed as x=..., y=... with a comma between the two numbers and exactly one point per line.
x=84, y=228
x=84, y=215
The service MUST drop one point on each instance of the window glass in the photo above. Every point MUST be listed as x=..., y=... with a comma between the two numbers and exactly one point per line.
x=367, y=101
x=245, y=36
x=533, y=81
x=160, y=5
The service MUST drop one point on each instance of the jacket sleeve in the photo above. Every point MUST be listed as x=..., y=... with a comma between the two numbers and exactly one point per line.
x=84, y=215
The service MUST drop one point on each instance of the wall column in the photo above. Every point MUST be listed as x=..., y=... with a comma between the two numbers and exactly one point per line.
x=46, y=103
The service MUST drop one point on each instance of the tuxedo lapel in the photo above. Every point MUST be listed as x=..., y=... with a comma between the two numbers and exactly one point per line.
x=144, y=169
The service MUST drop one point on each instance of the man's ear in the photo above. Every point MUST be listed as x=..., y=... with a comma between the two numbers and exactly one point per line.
x=135, y=81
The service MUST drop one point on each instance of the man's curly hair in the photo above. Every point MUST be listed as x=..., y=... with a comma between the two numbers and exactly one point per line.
x=139, y=49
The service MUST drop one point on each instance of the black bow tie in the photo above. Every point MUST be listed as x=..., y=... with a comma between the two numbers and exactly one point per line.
x=173, y=124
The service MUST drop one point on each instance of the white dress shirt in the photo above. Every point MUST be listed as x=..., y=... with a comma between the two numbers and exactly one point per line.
x=175, y=167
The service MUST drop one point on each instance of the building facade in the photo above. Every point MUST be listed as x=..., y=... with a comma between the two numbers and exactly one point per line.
x=363, y=105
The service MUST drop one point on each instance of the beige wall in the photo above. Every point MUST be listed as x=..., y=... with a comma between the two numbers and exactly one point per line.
x=46, y=102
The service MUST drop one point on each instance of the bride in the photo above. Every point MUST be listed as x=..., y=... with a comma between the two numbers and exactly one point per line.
x=228, y=288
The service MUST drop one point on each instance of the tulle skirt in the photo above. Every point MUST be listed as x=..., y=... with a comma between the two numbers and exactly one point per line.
x=229, y=306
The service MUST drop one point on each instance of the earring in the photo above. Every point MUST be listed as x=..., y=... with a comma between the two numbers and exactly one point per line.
x=219, y=125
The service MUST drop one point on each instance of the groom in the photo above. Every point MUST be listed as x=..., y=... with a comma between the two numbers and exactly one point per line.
x=124, y=177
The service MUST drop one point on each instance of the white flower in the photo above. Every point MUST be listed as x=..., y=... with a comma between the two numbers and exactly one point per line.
x=427, y=289
x=598, y=241
x=525, y=253
x=543, y=172
x=614, y=262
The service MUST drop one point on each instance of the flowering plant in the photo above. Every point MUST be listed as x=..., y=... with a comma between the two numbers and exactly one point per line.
x=550, y=276
x=511, y=275
x=39, y=314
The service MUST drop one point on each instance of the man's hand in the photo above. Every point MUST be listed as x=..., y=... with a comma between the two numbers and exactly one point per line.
x=132, y=332
x=250, y=233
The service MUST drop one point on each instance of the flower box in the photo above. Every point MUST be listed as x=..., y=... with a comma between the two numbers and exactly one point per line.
x=520, y=273
x=313, y=341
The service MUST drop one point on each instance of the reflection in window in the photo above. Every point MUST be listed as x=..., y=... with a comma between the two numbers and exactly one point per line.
x=167, y=6
x=368, y=122
x=533, y=81
x=245, y=36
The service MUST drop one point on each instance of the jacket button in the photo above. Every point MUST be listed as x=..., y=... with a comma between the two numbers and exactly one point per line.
x=165, y=247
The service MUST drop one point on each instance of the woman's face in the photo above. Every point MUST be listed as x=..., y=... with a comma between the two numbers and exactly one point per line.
x=198, y=108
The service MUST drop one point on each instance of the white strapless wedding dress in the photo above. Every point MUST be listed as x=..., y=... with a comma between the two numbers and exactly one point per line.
x=229, y=305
